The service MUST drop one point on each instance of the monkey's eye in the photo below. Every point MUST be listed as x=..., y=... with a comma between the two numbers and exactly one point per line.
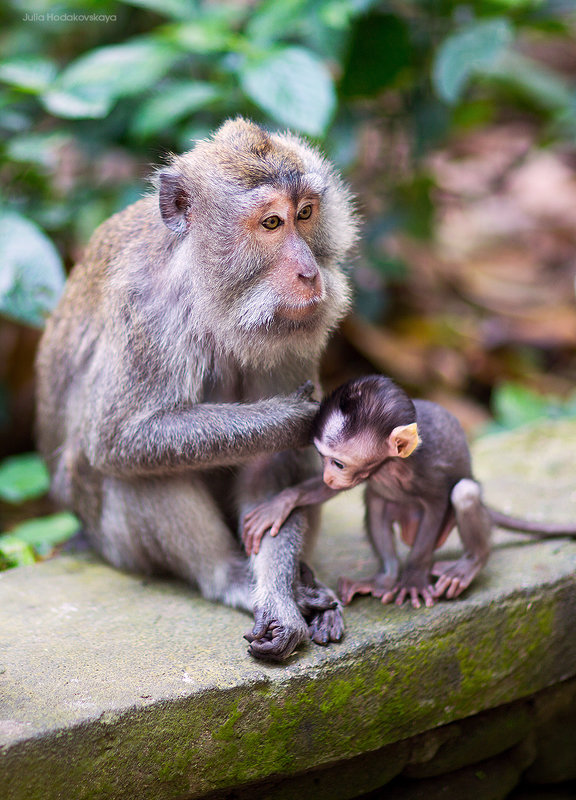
x=271, y=223
x=337, y=464
x=305, y=212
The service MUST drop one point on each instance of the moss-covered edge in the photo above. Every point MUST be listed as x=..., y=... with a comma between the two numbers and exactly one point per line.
x=379, y=694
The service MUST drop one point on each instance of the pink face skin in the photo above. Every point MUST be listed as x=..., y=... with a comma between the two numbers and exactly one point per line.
x=350, y=462
x=283, y=227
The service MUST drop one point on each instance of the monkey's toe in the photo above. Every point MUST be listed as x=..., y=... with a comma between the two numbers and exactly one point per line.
x=328, y=626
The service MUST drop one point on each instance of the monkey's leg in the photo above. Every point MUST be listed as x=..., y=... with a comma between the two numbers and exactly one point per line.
x=287, y=609
x=474, y=527
x=415, y=580
x=381, y=537
x=175, y=525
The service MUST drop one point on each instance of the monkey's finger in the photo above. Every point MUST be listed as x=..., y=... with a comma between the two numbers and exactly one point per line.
x=414, y=598
x=388, y=597
x=401, y=597
x=454, y=589
x=428, y=595
x=441, y=584
x=345, y=590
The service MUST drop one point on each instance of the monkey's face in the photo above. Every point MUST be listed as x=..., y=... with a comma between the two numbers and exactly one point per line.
x=282, y=230
x=348, y=462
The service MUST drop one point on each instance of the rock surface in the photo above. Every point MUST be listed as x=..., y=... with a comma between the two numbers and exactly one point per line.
x=115, y=687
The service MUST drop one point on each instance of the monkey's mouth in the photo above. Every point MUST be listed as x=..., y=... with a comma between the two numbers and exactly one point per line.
x=298, y=312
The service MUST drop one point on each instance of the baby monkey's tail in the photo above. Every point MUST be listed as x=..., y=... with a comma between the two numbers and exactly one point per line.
x=541, y=529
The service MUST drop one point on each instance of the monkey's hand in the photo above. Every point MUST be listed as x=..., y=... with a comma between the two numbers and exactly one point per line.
x=270, y=515
x=413, y=583
x=304, y=391
x=275, y=639
x=379, y=585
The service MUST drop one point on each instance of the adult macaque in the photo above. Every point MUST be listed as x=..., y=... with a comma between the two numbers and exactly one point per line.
x=168, y=375
x=369, y=430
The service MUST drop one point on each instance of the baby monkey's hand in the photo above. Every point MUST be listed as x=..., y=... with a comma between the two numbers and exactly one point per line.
x=270, y=515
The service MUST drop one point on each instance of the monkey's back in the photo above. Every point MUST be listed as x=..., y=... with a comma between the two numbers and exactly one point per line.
x=73, y=340
x=443, y=457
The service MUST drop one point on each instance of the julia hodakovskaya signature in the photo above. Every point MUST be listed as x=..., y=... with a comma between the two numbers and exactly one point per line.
x=68, y=16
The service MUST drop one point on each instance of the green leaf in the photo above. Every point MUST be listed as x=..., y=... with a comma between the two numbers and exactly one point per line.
x=23, y=477
x=543, y=87
x=467, y=52
x=30, y=73
x=90, y=86
x=31, y=272
x=44, y=533
x=37, y=148
x=271, y=20
x=514, y=405
x=14, y=552
x=175, y=9
x=173, y=104
x=379, y=52
x=292, y=85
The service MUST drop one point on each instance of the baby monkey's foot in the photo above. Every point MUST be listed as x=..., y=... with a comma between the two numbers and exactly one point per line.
x=377, y=586
x=414, y=585
x=455, y=576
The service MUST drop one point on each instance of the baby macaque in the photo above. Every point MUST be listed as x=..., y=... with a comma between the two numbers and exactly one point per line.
x=416, y=461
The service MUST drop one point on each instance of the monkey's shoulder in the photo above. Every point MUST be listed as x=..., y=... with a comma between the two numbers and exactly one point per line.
x=444, y=448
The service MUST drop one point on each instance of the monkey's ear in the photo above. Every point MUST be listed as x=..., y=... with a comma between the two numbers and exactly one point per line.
x=404, y=440
x=174, y=201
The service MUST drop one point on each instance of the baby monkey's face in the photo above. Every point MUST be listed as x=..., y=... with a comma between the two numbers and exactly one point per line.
x=348, y=462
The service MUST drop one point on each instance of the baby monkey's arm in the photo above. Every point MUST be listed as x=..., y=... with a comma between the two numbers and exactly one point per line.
x=273, y=513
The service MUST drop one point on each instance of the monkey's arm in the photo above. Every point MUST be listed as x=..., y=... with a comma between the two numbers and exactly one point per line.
x=204, y=435
x=273, y=513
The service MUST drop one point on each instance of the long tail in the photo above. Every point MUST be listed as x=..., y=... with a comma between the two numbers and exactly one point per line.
x=541, y=529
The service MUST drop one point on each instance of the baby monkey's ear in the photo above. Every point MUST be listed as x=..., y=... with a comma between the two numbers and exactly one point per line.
x=404, y=440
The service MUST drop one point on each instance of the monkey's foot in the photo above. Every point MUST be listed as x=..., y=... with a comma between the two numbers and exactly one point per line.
x=412, y=584
x=272, y=639
x=377, y=586
x=455, y=576
x=327, y=626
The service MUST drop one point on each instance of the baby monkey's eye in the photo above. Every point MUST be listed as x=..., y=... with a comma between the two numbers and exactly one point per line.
x=337, y=464
x=305, y=212
x=270, y=223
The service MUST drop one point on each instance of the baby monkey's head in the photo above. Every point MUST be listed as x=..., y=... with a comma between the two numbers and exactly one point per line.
x=360, y=425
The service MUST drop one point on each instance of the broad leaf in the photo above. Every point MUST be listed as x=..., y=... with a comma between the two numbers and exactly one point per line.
x=44, y=533
x=30, y=74
x=292, y=85
x=31, y=272
x=90, y=86
x=173, y=104
x=23, y=477
x=469, y=51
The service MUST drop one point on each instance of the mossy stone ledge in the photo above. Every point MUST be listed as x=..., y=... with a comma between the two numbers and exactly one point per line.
x=115, y=687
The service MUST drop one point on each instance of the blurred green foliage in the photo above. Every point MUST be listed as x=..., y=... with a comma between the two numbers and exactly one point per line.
x=24, y=478
x=81, y=85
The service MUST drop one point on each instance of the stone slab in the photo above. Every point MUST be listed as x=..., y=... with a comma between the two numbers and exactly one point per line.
x=112, y=686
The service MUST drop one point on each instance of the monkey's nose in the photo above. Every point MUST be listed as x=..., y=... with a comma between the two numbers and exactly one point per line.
x=309, y=277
